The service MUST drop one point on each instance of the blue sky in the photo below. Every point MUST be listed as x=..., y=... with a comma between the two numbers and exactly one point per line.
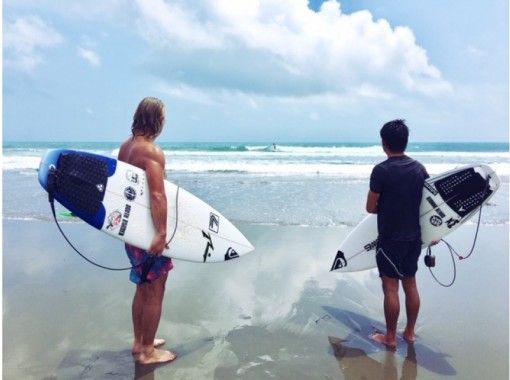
x=256, y=70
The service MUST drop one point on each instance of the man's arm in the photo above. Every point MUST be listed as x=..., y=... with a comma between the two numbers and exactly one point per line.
x=372, y=199
x=155, y=171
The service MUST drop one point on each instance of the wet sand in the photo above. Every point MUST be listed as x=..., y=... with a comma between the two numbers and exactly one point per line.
x=275, y=313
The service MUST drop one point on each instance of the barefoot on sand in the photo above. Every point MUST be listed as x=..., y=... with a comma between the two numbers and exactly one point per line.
x=137, y=348
x=409, y=337
x=159, y=342
x=381, y=338
x=156, y=356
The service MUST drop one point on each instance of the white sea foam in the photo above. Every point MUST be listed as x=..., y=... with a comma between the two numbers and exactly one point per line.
x=222, y=163
x=333, y=152
x=350, y=162
x=20, y=162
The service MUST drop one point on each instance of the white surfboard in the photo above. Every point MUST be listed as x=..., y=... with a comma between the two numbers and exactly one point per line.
x=113, y=197
x=448, y=201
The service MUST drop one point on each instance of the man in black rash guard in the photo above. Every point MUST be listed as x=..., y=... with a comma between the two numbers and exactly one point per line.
x=396, y=186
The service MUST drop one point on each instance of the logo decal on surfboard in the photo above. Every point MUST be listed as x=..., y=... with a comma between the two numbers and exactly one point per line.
x=127, y=212
x=452, y=222
x=214, y=222
x=430, y=188
x=436, y=207
x=339, y=261
x=231, y=254
x=130, y=193
x=435, y=220
x=132, y=176
x=368, y=247
x=114, y=220
x=208, y=246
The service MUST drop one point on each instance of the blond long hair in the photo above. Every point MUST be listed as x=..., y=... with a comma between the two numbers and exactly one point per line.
x=149, y=117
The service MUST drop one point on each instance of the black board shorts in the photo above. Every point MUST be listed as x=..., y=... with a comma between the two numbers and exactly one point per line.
x=397, y=259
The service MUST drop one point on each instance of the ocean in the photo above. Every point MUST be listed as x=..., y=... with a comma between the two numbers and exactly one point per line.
x=277, y=312
x=303, y=184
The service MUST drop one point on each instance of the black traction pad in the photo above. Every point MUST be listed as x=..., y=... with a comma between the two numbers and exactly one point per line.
x=81, y=180
x=463, y=191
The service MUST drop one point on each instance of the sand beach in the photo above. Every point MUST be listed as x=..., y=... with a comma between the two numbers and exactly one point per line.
x=275, y=313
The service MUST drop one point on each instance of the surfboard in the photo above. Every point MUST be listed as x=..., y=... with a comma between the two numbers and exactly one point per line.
x=448, y=201
x=113, y=197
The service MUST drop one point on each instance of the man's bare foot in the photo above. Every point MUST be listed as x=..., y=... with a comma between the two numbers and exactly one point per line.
x=156, y=356
x=158, y=342
x=383, y=339
x=409, y=336
x=137, y=347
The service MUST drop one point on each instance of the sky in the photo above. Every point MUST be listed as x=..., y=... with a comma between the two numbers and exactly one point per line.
x=256, y=70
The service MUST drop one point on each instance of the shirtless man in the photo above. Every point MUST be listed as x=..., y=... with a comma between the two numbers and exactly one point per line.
x=150, y=268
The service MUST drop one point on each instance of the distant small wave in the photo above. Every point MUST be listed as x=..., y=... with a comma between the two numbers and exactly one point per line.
x=230, y=148
x=281, y=166
x=226, y=171
x=346, y=160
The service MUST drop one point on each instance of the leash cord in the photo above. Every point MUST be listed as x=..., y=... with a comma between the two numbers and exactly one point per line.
x=453, y=251
x=52, y=204
x=51, y=199
x=450, y=248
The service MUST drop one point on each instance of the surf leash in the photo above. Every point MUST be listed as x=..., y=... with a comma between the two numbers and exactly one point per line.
x=430, y=259
x=380, y=250
x=176, y=215
x=51, y=199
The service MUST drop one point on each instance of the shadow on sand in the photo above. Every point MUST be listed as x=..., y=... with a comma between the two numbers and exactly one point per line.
x=85, y=364
x=357, y=345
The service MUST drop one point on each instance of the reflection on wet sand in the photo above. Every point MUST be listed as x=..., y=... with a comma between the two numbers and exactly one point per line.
x=86, y=364
x=356, y=364
x=358, y=345
x=260, y=317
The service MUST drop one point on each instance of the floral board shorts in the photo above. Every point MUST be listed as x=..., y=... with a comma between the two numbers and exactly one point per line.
x=151, y=268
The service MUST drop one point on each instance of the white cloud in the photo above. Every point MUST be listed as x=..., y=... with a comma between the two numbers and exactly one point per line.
x=282, y=48
x=182, y=91
x=25, y=40
x=168, y=22
x=90, y=56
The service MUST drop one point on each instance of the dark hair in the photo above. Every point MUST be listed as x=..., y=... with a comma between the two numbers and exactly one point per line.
x=149, y=118
x=394, y=135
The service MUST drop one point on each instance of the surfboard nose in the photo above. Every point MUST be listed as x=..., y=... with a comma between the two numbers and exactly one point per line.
x=244, y=245
x=48, y=161
x=249, y=246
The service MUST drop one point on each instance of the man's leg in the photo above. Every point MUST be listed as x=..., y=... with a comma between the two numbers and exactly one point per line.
x=137, y=312
x=153, y=293
x=391, y=312
x=412, y=306
x=153, y=301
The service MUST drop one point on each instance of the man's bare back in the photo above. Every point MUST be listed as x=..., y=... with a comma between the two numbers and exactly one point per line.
x=141, y=152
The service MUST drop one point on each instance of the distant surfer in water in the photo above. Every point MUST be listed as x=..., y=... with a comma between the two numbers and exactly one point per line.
x=396, y=186
x=150, y=268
